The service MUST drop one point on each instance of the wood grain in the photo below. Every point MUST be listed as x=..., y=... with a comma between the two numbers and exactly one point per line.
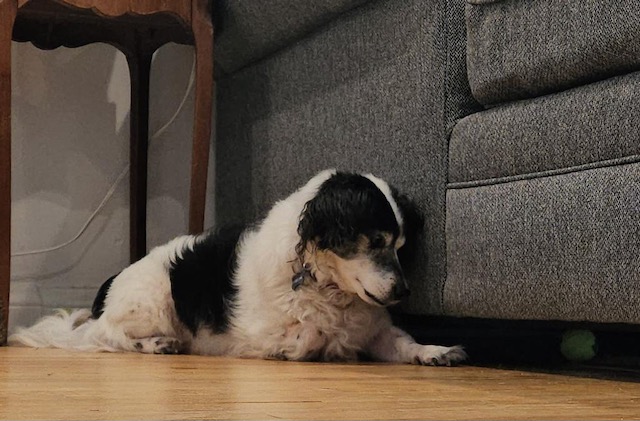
x=139, y=73
x=8, y=10
x=54, y=384
x=203, y=42
x=179, y=8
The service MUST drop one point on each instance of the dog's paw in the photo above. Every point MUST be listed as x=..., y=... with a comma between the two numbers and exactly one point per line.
x=302, y=342
x=158, y=345
x=439, y=355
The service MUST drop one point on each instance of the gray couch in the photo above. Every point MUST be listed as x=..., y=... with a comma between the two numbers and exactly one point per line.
x=514, y=125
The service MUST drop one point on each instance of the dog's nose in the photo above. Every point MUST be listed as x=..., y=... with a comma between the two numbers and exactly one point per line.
x=400, y=290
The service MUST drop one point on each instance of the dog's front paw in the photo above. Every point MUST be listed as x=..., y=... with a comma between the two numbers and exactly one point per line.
x=302, y=342
x=439, y=355
x=158, y=345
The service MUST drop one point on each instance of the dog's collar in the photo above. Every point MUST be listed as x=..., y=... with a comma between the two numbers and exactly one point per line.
x=298, y=279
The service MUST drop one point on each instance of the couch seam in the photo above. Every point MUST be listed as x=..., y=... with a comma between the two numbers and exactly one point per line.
x=447, y=134
x=628, y=160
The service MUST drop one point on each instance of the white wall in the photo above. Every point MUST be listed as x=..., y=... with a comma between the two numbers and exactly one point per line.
x=70, y=118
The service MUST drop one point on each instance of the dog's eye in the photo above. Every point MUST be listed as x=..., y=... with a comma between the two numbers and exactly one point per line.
x=377, y=242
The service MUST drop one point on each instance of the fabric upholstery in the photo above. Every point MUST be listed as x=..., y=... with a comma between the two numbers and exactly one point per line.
x=522, y=49
x=585, y=125
x=248, y=30
x=530, y=206
x=363, y=93
x=562, y=247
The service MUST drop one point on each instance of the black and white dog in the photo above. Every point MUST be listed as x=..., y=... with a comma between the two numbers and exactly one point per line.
x=310, y=282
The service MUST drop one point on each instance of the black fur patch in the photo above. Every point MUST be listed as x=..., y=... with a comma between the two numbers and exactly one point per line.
x=345, y=207
x=413, y=229
x=98, y=304
x=201, y=281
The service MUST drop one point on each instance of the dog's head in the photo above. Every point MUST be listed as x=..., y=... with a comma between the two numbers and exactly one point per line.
x=353, y=228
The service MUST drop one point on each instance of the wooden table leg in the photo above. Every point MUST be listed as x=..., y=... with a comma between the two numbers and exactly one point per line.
x=139, y=69
x=8, y=9
x=203, y=39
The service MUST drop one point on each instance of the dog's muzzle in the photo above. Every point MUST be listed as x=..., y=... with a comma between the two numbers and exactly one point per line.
x=397, y=293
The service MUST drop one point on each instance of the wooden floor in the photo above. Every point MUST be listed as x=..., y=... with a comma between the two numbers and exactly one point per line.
x=53, y=384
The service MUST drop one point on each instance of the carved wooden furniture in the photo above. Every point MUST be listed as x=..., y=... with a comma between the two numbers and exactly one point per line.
x=137, y=28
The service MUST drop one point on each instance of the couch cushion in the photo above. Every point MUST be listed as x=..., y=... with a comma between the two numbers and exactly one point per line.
x=524, y=48
x=589, y=125
x=562, y=247
x=247, y=30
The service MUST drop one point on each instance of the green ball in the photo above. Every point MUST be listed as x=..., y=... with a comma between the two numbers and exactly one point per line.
x=578, y=345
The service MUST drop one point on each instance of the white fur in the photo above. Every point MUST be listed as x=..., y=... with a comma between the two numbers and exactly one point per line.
x=329, y=319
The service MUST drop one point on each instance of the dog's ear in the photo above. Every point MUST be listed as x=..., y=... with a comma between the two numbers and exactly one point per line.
x=413, y=226
x=305, y=235
x=325, y=220
x=344, y=207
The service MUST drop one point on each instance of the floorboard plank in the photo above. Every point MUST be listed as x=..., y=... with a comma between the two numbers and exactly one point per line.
x=54, y=384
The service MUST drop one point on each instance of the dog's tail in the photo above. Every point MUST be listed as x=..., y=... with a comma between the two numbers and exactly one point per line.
x=75, y=330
